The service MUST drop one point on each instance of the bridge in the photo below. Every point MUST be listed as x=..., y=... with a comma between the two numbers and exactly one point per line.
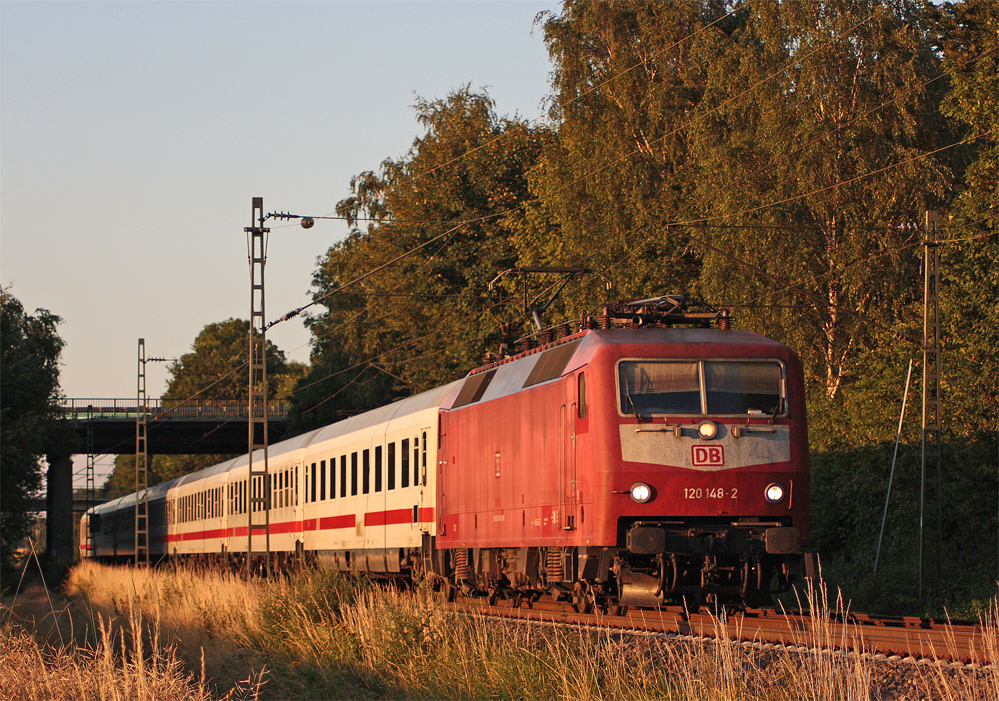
x=173, y=427
x=108, y=427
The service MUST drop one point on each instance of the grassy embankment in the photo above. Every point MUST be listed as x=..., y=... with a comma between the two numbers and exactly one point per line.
x=177, y=634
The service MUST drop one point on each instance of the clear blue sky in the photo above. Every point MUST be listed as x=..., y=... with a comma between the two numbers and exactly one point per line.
x=134, y=135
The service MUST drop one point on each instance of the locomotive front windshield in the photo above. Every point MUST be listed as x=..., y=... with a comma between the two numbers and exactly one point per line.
x=706, y=387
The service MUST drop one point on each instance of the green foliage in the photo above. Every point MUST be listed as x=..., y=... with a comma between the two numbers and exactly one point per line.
x=802, y=108
x=849, y=487
x=621, y=166
x=448, y=207
x=969, y=34
x=216, y=367
x=29, y=392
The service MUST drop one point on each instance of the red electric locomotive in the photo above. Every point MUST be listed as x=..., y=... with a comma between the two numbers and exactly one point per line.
x=629, y=464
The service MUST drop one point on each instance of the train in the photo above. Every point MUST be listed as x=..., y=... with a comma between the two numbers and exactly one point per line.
x=653, y=455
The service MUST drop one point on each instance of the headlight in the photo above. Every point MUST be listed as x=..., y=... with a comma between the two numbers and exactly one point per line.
x=774, y=493
x=641, y=492
x=707, y=430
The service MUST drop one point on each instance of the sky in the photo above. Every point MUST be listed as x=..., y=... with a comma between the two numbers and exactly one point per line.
x=134, y=135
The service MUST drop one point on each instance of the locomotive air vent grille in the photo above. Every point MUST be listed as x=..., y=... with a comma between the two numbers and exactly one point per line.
x=551, y=363
x=473, y=389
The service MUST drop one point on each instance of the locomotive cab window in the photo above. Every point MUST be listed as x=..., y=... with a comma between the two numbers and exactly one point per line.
x=706, y=387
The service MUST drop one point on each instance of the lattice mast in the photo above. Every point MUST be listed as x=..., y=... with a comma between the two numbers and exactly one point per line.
x=258, y=483
x=141, y=463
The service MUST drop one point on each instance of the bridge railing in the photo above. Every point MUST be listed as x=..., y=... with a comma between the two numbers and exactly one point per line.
x=86, y=409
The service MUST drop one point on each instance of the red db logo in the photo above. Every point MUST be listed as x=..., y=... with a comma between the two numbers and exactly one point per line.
x=708, y=456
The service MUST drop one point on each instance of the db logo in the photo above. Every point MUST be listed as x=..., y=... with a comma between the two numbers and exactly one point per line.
x=708, y=455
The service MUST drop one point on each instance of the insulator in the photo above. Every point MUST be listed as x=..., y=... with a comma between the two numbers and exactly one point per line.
x=725, y=321
x=605, y=319
x=564, y=330
x=546, y=336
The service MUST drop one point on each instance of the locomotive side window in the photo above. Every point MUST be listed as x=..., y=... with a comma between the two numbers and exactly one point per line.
x=706, y=387
x=581, y=396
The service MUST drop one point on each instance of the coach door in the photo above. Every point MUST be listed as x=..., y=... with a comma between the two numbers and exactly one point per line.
x=297, y=497
x=434, y=489
x=567, y=462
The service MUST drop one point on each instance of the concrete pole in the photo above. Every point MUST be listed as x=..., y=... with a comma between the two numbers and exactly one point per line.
x=59, y=551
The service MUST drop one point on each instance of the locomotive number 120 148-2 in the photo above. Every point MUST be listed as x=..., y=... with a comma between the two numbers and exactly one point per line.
x=710, y=493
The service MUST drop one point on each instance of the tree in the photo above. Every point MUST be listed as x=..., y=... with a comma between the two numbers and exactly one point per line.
x=621, y=164
x=822, y=118
x=29, y=394
x=969, y=39
x=808, y=123
x=446, y=210
x=215, y=369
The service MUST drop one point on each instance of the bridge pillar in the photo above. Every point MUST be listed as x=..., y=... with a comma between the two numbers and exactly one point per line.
x=59, y=551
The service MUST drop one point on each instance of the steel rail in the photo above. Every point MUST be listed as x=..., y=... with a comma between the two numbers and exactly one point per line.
x=909, y=639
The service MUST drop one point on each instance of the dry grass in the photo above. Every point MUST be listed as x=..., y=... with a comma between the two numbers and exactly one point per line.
x=318, y=635
x=120, y=667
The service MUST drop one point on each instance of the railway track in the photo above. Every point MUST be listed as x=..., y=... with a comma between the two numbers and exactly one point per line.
x=905, y=639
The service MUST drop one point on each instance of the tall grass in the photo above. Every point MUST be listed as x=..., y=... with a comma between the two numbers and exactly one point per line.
x=119, y=667
x=320, y=635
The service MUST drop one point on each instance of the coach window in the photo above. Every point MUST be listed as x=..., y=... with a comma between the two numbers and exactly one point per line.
x=366, y=472
x=424, y=458
x=581, y=397
x=416, y=461
x=404, y=466
x=391, y=466
x=343, y=476
x=353, y=474
x=332, y=478
x=312, y=485
x=322, y=480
